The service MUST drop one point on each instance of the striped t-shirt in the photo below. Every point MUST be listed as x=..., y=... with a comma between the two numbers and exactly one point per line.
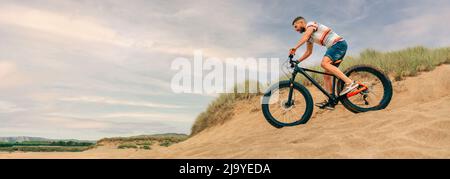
x=323, y=35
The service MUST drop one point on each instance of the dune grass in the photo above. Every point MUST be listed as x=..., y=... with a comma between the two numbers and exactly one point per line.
x=144, y=141
x=128, y=145
x=397, y=64
x=221, y=109
x=403, y=63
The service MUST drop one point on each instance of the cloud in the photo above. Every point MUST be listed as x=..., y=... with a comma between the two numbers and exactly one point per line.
x=107, y=125
x=10, y=76
x=76, y=123
x=344, y=12
x=139, y=115
x=75, y=27
x=8, y=107
x=201, y=29
x=424, y=28
x=6, y=68
x=112, y=101
x=128, y=117
x=80, y=28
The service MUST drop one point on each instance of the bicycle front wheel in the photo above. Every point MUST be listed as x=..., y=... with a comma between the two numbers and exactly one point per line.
x=279, y=112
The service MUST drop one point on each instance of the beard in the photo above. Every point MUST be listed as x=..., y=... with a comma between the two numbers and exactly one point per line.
x=302, y=30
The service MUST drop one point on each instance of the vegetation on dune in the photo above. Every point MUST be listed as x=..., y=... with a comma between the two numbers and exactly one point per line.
x=146, y=147
x=127, y=146
x=136, y=145
x=221, y=109
x=397, y=64
x=46, y=146
x=166, y=143
x=403, y=63
x=144, y=141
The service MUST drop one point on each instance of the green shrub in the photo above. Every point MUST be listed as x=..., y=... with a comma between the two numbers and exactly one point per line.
x=166, y=143
x=128, y=146
x=146, y=147
x=145, y=142
x=145, y=139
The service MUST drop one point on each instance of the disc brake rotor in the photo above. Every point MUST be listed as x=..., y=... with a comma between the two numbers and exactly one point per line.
x=284, y=105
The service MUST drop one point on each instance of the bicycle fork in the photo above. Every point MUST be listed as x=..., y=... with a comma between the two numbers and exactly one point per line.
x=289, y=102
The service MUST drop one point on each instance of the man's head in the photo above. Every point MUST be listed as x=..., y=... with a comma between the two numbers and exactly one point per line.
x=299, y=24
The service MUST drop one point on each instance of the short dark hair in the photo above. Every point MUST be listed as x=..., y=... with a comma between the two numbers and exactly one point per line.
x=297, y=19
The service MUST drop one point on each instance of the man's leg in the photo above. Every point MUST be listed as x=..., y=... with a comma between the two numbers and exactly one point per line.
x=328, y=87
x=326, y=64
x=327, y=82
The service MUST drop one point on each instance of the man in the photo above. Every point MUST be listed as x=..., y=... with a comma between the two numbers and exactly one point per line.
x=336, y=49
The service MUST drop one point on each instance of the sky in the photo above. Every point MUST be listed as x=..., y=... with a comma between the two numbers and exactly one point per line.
x=91, y=69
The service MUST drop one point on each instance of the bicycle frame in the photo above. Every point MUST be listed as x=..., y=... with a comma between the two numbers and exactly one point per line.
x=332, y=97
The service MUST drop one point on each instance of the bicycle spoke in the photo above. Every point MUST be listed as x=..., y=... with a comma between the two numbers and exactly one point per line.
x=293, y=114
x=288, y=117
x=284, y=118
x=276, y=112
x=294, y=110
x=373, y=97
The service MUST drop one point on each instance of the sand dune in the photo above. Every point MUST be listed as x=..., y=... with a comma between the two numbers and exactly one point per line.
x=415, y=125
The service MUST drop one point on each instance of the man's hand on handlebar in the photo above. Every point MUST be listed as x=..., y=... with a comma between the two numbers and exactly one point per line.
x=291, y=56
x=292, y=51
x=293, y=62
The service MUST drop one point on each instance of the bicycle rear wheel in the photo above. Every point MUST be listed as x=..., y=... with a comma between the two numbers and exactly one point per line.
x=377, y=94
x=279, y=113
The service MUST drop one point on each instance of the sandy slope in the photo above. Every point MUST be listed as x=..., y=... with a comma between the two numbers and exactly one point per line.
x=415, y=125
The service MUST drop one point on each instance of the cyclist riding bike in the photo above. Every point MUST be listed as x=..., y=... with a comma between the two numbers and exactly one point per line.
x=336, y=50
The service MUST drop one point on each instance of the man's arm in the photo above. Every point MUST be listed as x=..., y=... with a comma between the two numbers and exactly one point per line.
x=305, y=37
x=308, y=52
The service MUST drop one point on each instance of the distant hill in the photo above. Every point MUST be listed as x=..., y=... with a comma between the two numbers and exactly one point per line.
x=26, y=138
x=151, y=136
x=158, y=137
x=22, y=139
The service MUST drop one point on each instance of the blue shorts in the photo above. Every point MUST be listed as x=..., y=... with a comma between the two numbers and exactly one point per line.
x=337, y=51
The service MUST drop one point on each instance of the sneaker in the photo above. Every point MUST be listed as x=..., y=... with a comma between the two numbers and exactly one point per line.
x=348, y=88
x=325, y=105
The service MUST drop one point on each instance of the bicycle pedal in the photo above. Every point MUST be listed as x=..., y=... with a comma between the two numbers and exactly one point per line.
x=327, y=108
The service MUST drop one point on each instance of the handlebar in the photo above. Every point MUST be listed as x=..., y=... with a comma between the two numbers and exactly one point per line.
x=293, y=62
